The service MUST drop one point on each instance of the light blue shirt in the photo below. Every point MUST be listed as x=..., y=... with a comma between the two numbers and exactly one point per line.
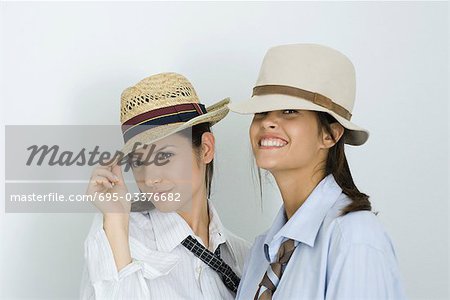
x=337, y=257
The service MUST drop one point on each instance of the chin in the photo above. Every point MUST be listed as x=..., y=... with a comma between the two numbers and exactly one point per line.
x=268, y=167
x=266, y=164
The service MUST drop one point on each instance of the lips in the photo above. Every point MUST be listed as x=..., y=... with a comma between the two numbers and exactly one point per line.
x=162, y=191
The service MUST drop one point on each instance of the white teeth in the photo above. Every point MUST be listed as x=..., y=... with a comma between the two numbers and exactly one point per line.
x=272, y=143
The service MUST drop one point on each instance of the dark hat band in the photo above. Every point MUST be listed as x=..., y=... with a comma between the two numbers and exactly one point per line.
x=161, y=116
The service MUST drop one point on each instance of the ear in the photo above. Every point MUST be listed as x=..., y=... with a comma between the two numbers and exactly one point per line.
x=327, y=140
x=208, y=146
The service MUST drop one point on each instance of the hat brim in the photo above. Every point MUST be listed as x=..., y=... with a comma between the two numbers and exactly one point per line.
x=355, y=135
x=215, y=113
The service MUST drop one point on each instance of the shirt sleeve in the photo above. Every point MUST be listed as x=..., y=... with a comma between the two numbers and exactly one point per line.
x=364, y=272
x=101, y=280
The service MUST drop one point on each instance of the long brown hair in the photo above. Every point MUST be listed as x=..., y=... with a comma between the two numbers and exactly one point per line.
x=337, y=165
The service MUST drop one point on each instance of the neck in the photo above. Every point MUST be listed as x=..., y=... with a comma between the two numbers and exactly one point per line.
x=296, y=185
x=197, y=217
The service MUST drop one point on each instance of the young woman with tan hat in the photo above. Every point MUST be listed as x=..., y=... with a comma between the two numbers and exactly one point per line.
x=325, y=243
x=179, y=249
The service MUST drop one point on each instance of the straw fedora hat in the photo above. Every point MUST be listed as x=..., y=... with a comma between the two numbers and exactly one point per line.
x=161, y=105
x=308, y=77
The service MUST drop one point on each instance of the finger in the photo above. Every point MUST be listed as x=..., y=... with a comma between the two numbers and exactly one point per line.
x=117, y=171
x=113, y=161
x=108, y=174
x=100, y=180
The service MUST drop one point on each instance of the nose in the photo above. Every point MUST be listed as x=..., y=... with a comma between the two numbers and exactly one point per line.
x=152, y=176
x=152, y=182
x=270, y=120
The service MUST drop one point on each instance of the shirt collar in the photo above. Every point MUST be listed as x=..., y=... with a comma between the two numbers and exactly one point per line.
x=171, y=229
x=217, y=233
x=304, y=225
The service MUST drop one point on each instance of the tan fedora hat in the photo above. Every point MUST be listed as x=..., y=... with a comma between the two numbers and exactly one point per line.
x=161, y=105
x=309, y=77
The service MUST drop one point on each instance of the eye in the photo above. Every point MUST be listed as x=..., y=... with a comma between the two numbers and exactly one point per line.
x=164, y=155
x=260, y=114
x=289, y=111
x=136, y=163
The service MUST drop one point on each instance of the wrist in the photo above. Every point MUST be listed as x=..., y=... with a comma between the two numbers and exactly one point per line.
x=116, y=221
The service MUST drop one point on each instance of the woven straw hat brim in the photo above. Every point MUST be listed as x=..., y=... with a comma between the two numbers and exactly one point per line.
x=215, y=113
x=355, y=135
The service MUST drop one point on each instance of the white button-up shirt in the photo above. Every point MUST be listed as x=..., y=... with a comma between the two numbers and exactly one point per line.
x=161, y=267
x=337, y=257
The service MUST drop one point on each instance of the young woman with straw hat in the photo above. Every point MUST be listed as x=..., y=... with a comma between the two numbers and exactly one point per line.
x=325, y=242
x=179, y=249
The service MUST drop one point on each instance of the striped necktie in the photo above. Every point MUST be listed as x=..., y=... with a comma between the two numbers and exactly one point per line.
x=274, y=272
x=229, y=278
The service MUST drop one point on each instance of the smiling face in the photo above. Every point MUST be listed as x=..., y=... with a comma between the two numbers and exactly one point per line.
x=286, y=139
x=173, y=174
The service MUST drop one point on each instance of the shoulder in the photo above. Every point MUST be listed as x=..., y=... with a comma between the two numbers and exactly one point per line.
x=362, y=228
x=358, y=242
x=359, y=239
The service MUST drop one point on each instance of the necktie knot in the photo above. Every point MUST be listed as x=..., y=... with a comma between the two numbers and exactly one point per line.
x=285, y=251
x=275, y=270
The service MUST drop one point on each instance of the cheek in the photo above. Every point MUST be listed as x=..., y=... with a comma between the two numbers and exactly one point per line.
x=305, y=140
x=138, y=177
x=195, y=171
x=179, y=168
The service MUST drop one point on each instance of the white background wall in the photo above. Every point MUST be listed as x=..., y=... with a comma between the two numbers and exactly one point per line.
x=67, y=63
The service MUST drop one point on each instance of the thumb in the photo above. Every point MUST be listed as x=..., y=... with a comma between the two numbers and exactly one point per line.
x=116, y=169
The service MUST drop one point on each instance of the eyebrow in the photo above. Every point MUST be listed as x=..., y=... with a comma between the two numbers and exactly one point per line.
x=167, y=146
x=134, y=154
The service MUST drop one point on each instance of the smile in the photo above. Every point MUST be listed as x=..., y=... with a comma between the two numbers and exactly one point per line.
x=272, y=143
x=161, y=191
